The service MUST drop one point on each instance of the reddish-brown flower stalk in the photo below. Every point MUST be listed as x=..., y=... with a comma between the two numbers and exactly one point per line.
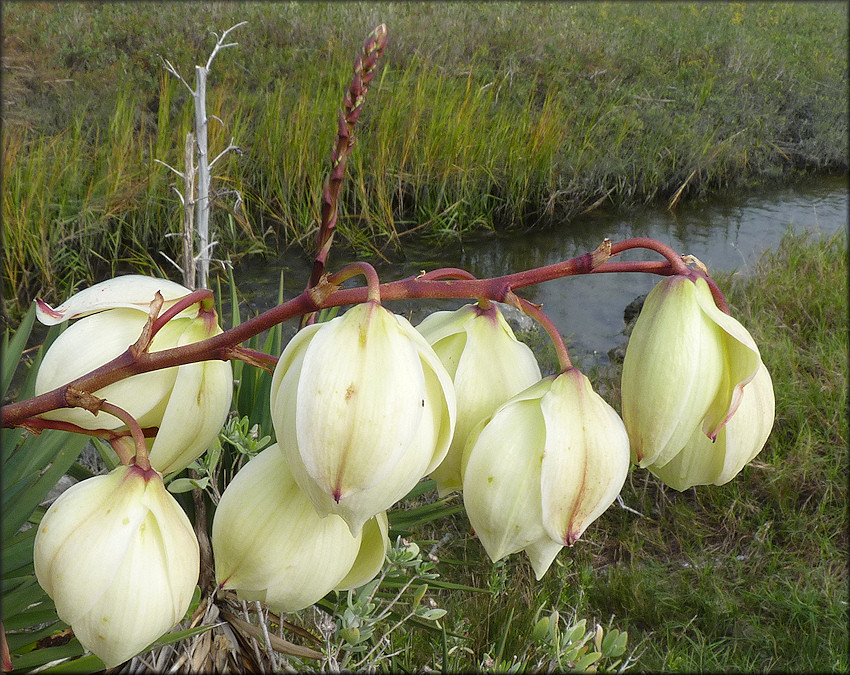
x=364, y=71
x=325, y=294
x=373, y=283
x=141, y=460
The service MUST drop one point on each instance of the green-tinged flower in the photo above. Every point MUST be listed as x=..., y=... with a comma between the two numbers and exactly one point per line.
x=684, y=371
x=488, y=365
x=120, y=560
x=187, y=403
x=702, y=462
x=271, y=545
x=362, y=409
x=542, y=468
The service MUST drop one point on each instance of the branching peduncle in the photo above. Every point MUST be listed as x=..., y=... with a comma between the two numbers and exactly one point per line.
x=202, y=296
x=325, y=294
x=536, y=313
x=677, y=265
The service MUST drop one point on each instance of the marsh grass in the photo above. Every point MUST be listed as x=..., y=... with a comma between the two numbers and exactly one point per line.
x=482, y=117
x=751, y=575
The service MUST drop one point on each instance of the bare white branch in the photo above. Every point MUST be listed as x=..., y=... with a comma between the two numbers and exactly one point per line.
x=206, y=250
x=196, y=195
x=179, y=196
x=168, y=166
x=220, y=44
x=169, y=67
x=179, y=269
x=224, y=152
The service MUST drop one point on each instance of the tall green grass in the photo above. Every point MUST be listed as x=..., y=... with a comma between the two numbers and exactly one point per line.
x=482, y=117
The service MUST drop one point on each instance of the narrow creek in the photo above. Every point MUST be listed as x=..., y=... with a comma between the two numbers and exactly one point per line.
x=728, y=234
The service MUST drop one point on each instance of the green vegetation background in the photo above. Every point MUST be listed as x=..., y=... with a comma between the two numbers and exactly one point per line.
x=493, y=116
x=483, y=116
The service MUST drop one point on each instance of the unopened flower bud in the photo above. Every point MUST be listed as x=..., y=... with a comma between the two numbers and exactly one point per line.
x=362, y=409
x=542, y=468
x=120, y=560
x=187, y=403
x=488, y=365
x=684, y=372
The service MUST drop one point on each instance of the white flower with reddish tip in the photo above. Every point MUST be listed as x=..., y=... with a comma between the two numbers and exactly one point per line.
x=542, y=468
x=120, y=560
x=271, y=545
x=188, y=403
x=132, y=291
x=362, y=409
x=684, y=371
x=488, y=365
x=703, y=462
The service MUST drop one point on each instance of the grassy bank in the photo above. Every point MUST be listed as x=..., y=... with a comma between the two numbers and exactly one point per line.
x=749, y=576
x=483, y=116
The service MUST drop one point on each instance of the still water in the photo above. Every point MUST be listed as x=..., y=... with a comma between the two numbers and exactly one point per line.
x=727, y=234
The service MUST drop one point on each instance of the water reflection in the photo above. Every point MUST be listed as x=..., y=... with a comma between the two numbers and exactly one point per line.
x=726, y=234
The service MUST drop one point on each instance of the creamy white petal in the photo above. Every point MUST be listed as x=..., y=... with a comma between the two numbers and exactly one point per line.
x=698, y=463
x=671, y=373
x=197, y=407
x=542, y=554
x=742, y=359
x=371, y=556
x=586, y=457
x=492, y=367
x=359, y=506
x=181, y=554
x=284, y=394
x=89, y=558
x=161, y=569
x=750, y=426
x=270, y=544
x=290, y=360
x=702, y=462
x=131, y=291
x=72, y=508
x=360, y=399
x=94, y=341
x=438, y=326
x=439, y=391
x=119, y=559
x=501, y=479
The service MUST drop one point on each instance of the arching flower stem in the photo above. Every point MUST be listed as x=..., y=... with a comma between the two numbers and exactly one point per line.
x=373, y=283
x=536, y=313
x=202, y=295
x=142, y=460
x=325, y=294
